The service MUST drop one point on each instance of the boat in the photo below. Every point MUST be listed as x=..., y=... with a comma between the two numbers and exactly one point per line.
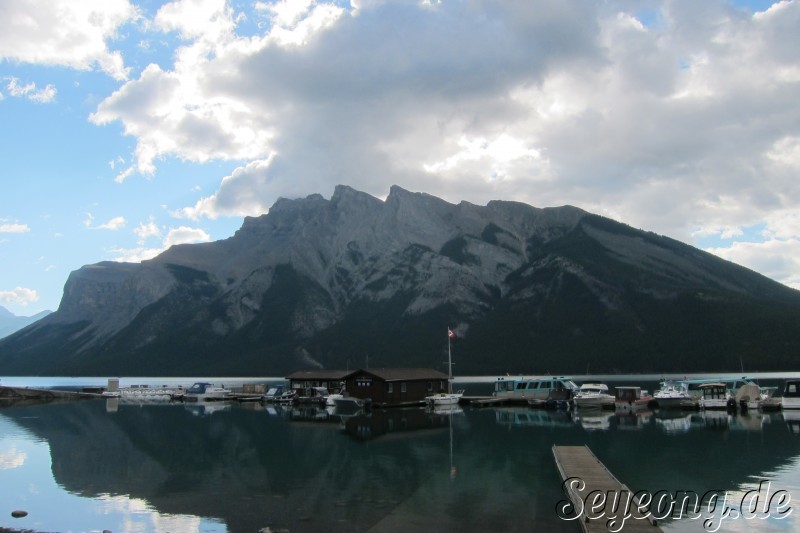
x=674, y=394
x=348, y=404
x=743, y=392
x=205, y=392
x=449, y=397
x=532, y=388
x=593, y=395
x=272, y=394
x=631, y=398
x=330, y=401
x=791, y=394
x=716, y=395
x=315, y=395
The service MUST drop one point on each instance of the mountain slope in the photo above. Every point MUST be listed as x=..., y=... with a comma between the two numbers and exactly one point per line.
x=9, y=322
x=330, y=283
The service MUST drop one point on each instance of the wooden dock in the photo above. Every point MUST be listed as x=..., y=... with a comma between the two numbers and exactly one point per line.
x=584, y=478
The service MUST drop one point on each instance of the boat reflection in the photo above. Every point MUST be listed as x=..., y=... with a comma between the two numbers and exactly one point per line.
x=527, y=416
x=594, y=419
x=667, y=421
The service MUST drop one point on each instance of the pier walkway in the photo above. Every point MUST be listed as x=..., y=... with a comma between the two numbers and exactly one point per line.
x=586, y=478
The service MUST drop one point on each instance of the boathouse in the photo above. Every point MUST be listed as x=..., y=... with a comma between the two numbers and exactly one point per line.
x=389, y=387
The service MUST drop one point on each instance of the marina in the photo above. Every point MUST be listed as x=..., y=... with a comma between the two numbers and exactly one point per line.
x=242, y=466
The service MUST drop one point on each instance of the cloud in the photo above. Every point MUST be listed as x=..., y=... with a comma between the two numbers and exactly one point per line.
x=30, y=92
x=65, y=33
x=179, y=235
x=19, y=295
x=145, y=231
x=113, y=224
x=13, y=227
x=683, y=121
x=777, y=259
x=12, y=458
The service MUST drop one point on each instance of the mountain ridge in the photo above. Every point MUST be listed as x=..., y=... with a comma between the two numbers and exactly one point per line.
x=328, y=282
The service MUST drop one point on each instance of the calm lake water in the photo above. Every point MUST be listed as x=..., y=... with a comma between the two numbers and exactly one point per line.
x=104, y=464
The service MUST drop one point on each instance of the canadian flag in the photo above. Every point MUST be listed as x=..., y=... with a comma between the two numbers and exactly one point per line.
x=451, y=334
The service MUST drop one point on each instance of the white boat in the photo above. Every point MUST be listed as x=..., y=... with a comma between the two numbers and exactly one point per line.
x=532, y=388
x=330, y=401
x=674, y=394
x=594, y=395
x=791, y=395
x=627, y=399
x=205, y=392
x=716, y=396
x=743, y=393
x=349, y=403
x=449, y=397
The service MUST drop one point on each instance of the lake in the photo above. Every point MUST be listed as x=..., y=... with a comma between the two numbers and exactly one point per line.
x=101, y=464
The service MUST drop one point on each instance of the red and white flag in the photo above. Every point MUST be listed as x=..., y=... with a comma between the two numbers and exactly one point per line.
x=450, y=334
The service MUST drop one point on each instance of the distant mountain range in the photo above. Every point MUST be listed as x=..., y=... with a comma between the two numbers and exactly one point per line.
x=9, y=322
x=356, y=281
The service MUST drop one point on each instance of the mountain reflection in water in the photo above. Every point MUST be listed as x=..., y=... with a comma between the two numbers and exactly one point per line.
x=241, y=468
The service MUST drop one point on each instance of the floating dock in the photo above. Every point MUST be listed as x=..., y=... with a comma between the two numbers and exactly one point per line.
x=584, y=476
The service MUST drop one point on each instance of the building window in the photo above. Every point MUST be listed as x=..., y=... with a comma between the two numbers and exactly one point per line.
x=363, y=382
x=430, y=386
x=390, y=388
x=441, y=385
x=403, y=387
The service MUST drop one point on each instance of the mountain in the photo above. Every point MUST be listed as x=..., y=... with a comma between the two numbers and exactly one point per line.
x=9, y=322
x=356, y=281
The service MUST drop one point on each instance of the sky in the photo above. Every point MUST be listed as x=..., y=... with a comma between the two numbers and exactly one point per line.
x=130, y=126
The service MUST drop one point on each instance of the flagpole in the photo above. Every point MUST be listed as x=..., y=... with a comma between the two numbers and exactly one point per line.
x=449, y=365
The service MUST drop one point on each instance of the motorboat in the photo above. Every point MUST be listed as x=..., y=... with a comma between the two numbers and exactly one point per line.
x=791, y=395
x=330, y=401
x=716, y=395
x=350, y=404
x=593, y=395
x=444, y=398
x=674, y=394
x=205, y=392
x=317, y=395
x=272, y=394
x=631, y=398
x=742, y=392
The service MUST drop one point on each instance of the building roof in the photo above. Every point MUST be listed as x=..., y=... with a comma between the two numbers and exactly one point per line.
x=319, y=375
x=403, y=374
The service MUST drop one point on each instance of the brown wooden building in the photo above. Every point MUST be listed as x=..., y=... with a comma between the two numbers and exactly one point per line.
x=388, y=387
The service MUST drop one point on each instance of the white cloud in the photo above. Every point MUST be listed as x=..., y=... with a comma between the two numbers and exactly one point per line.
x=12, y=458
x=113, y=224
x=19, y=295
x=179, y=235
x=245, y=192
x=777, y=259
x=30, y=92
x=146, y=231
x=185, y=235
x=64, y=33
x=687, y=127
x=13, y=227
